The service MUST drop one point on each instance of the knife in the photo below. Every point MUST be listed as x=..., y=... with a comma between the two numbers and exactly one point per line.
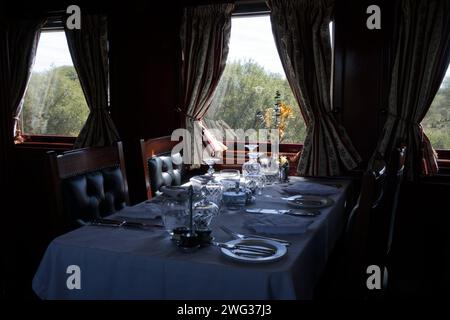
x=300, y=213
x=123, y=223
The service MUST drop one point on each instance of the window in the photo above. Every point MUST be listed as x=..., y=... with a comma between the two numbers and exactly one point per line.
x=251, y=78
x=436, y=123
x=54, y=102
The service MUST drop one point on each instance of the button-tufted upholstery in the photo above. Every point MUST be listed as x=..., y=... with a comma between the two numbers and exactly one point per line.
x=87, y=184
x=94, y=194
x=161, y=167
x=164, y=172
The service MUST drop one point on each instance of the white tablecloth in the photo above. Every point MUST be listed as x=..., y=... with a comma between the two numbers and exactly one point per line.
x=145, y=264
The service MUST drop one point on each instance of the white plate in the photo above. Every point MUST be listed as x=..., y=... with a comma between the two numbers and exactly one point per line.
x=310, y=202
x=280, y=250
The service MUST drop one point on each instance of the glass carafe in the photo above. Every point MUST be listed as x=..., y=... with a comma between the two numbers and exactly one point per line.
x=252, y=166
x=204, y=212
x=175, y=209
x=270, y=167
x=252, y=172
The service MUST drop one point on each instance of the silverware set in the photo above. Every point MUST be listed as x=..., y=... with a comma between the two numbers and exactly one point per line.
x=248, y=250
x=253, y=236
x=291, y=212
x=123, y=224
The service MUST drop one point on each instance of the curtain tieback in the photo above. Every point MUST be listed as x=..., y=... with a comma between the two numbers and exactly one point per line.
x=187, y=115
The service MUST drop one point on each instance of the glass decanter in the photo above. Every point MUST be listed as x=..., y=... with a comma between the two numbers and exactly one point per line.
x=251, y=166
x=270, y=167
x=175, y=209
x=204, y=211
x=252, y=171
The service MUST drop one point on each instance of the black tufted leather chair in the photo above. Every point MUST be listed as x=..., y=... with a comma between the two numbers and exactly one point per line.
x=164, y=172
x=159, y=167
x=88, y=183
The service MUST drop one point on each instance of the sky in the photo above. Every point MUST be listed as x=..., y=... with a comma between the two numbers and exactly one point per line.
x=52, y=48
x=251, y=38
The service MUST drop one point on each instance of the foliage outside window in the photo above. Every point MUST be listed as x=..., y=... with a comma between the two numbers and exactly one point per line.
x=252, y=77
x=436, y=123
x=54, y=102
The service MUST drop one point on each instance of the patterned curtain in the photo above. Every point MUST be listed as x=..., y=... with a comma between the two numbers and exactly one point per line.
x=421, y=57
x=205, y=34
x=18, y=43
x=19, y=40
x=301, y=32
x=89, y=51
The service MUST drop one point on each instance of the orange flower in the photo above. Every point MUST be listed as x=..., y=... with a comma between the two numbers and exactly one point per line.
x=278, y=115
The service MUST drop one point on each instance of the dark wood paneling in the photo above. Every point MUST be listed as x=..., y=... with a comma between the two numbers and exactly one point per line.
x=359, y=71
x=29, y=217
x=144, y=58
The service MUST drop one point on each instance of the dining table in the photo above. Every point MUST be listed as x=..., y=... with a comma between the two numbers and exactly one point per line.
x=100, y=262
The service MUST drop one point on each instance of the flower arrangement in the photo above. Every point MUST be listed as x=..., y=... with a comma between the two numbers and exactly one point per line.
x=277, y=116
x=284, y=169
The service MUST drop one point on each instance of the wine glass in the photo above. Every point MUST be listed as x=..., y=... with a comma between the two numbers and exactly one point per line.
x=251, y=147
x=211, y=162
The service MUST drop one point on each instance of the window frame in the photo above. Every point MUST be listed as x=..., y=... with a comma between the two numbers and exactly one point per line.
x=258, y=8
x=53, y=24
x=254, y=9
x=443, y=161
x=443, y=157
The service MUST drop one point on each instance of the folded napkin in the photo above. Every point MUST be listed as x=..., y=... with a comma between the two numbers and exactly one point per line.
x=146, y=210
x=310, y=188
x=277, y=224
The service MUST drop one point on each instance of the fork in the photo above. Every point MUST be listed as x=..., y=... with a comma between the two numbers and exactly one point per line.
x=248, y=248
x=244, y=236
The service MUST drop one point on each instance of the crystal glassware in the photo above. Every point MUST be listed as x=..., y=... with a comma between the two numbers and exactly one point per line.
x=229, y=173
x=204, y=212
x=251, y=166
x=214, y=192
x=252, y=171
x=198, y=182
x=211, y=162
x=175, y=213
x=207, y=187
x=234, y=196
x=255, y=182
x=270, y=168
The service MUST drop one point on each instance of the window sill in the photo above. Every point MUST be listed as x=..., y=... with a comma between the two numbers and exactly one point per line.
x=47, y=142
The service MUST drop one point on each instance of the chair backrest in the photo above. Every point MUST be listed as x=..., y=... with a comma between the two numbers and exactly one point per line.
x=88, y=183
x=398, y=169
x=357, y=231
x=371, y=224
x=383, y=214
x=161, y=168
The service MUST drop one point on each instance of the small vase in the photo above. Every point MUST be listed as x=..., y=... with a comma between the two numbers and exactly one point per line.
x=284, y=173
